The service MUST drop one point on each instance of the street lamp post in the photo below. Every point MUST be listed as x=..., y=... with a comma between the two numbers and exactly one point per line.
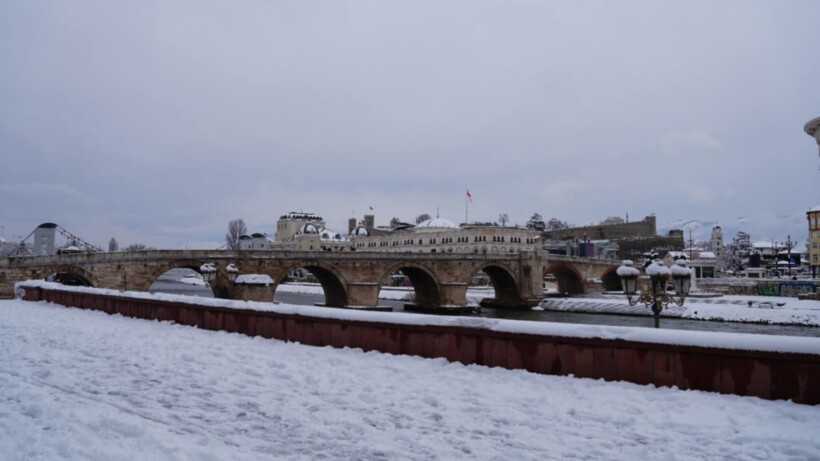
x=789, y=253
x=656, y=297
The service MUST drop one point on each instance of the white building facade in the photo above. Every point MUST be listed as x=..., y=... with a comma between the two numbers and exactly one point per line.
x=443, y=236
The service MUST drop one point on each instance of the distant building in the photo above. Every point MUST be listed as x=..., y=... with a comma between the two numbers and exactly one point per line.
x=311, y=237
x=645, y=228
x=813, y=242
x=289, y=224
x=254, y=241
x=443, y=236
x=631, y=239
x=600, y=249
x=716, y=240
x=44, y=236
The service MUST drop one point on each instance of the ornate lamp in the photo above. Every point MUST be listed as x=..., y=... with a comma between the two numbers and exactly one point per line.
x=232, y=271
x=681, y=279
x=656, y=298
x=208, y=272
x=629, y=277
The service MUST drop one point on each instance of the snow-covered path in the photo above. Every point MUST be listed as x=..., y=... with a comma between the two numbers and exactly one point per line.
x=85, y=385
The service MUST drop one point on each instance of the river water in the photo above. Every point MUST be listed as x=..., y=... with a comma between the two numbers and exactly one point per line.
x=169, y=285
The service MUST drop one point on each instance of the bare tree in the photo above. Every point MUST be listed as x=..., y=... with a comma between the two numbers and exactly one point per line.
x=137, y=247
x=423, y=217
x=113, y=245
x=395, y=222
x=236, y=228
x=503, y=218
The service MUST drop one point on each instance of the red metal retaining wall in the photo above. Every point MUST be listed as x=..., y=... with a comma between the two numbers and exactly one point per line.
x=769, y=375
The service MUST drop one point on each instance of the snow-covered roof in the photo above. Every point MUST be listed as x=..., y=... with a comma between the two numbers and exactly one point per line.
x=301, y=215
x=438, y=223
x=327, y=234
x=817, y=208
x=707, y=255
x=796, y=250
x=254, y=279
x=309, y=228
x=763, y=244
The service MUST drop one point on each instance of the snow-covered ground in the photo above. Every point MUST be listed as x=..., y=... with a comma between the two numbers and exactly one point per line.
x=78, y=384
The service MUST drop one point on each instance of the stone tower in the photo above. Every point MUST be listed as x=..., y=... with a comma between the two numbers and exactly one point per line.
x=716, y=240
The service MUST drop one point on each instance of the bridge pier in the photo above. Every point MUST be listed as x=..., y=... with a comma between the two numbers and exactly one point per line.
x=362, y=294
x=253, y=292
x=453, y=294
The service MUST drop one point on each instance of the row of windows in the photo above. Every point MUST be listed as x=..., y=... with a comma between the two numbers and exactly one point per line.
x=466, y=249
x=432, y=241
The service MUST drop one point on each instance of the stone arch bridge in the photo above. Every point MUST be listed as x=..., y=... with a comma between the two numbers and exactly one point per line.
x=348, y=279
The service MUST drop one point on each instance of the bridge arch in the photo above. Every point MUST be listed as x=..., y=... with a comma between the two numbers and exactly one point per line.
x=163, y=268
x=329, y=276
x=611, y=281
x=217, y=287
x=425, y=283
x=502, y=279
x=70, y=275
x=568, y=277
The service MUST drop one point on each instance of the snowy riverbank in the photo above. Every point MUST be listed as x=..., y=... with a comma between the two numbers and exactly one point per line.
x=474, y=295
x=79, y=384
x=729, y=308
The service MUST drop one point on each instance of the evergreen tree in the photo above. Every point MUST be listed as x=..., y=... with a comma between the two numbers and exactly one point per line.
x=536, y=223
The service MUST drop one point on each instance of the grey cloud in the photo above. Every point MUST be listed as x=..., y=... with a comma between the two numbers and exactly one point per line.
x=182, y=115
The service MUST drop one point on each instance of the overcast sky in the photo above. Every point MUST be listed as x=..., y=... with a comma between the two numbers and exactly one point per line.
x=158, y=122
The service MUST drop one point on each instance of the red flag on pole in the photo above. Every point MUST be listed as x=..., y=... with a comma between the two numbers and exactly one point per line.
x=469, y=195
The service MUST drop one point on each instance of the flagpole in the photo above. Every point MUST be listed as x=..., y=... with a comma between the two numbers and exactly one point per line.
x=466, y=213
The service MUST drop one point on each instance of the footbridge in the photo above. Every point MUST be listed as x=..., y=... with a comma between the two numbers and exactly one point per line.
x=349, y=279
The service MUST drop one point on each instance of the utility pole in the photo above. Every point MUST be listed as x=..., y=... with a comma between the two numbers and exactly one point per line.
x=690, y=244
x=789, y=254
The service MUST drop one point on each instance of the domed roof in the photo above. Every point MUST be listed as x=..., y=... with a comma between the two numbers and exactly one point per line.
x=438, y=222
x=309, y=228
x=360, y=231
